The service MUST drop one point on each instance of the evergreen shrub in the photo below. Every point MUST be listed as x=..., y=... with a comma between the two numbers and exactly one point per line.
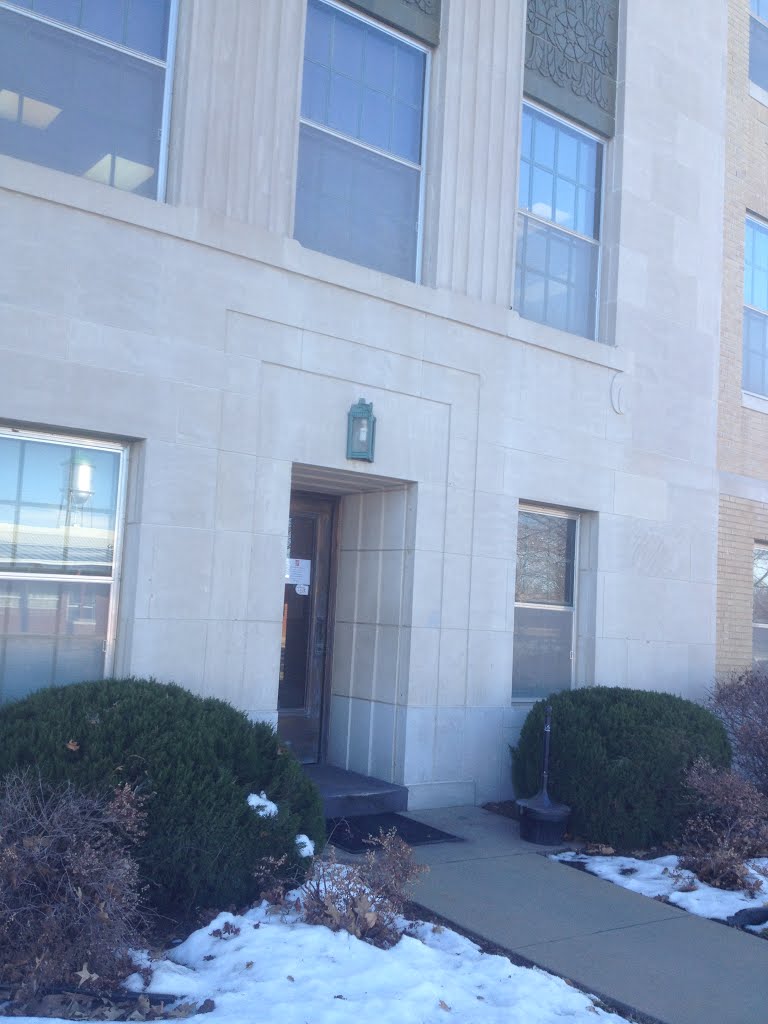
x=618, y=757
x=196, y=759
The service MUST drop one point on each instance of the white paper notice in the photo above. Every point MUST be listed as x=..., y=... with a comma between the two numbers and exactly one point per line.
x=298, y=571
x=302, y=589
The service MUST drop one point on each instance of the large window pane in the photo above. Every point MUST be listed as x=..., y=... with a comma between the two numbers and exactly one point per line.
x=755, y=361
x=356, y=204
x=558, y=231
x=758, y=53
x=58, y=508
x=760, y=586
x=564, y=169
x=755, y=340
x=77, y=106
x=543, y=638
x=367, y=85
x=140, y=24
x=50, y=633
x=542, y=651
x=546, y=547
x=556, y=280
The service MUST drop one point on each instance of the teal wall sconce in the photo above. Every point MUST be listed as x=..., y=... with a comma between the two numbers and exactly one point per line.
x=361, y=431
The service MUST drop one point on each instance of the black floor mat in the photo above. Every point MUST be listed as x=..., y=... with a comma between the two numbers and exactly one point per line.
x=350, y=833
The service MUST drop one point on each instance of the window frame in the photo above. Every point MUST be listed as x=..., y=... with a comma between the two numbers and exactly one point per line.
x=168, y=64
x=757, y=546
x=757, y=91
x=425, y=112
x=113, y=580
x=575, y=517
x=762, y=313
x=519, y=212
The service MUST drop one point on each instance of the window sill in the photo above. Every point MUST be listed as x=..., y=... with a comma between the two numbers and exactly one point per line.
x=585, y=349
x=758, y=93
x=206, y=229
x=758, y=403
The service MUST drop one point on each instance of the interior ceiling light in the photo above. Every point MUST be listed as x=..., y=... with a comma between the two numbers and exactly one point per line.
x=128, y=175
x=34, y=113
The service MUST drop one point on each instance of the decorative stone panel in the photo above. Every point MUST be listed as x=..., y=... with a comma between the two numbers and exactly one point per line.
x=419, y=18
x=570, y=59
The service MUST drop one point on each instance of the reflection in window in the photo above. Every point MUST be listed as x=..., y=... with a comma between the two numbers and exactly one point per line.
x=760, y=605
x=559, y=196
x=758, y=44
x=755, y=330
x=59, y=509
x=544, y=604
x=360, y=144
x=82, y=104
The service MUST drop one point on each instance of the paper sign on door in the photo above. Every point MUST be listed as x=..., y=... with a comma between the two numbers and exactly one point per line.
x=298, y=571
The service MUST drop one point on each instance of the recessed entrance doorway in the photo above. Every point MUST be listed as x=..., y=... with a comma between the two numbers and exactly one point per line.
x=307, y=626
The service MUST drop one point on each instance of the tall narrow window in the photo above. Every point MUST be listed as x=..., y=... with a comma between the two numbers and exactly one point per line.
x=755, y=349
x=84, y=88
x=558, y=244
x=760, y=605
x=758, y=45
x=359, y=185
x=544, y=603
x=60, y=512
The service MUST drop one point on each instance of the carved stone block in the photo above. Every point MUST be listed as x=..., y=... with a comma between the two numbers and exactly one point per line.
x=570, y=59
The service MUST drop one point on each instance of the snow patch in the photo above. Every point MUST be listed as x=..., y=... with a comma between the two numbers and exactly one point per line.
x=664, y=877
x=305, y=845
x=263, y=807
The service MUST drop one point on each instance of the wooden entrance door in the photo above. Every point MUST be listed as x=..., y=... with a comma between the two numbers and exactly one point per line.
x=302, y=694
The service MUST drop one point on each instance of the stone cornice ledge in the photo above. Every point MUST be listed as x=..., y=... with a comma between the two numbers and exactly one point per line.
x=251, y=242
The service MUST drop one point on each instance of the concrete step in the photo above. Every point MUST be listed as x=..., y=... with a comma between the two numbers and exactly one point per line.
x=346, y=794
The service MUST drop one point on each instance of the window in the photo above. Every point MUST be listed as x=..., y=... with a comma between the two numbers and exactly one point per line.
x=758, y=44
x=558, y=227
x=85, y=88
x=544, y=603
x=760, y=605
x=60, y=514
x=359, y=188
x=755, y=347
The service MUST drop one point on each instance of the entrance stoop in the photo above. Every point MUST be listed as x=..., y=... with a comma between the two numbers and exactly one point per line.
x=346, y=794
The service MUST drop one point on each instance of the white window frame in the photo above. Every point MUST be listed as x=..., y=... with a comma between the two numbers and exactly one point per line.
x=113, y=580
x=763, y=313
x=756, y=91
x=603, y=144
x=757, y=546
x=168, y=64
x=421, y=167
x=560, y=513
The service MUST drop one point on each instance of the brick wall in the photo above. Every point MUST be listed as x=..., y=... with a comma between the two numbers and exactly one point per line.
x=742, y=432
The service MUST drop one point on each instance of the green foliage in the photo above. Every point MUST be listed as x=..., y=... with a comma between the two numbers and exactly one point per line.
x=196, y=758
x=618, y=758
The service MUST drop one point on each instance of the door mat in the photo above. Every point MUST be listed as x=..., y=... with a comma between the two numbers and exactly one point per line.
x=350, y=834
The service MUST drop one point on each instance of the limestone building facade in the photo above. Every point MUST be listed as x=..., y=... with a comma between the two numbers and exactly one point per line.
x=499, y=224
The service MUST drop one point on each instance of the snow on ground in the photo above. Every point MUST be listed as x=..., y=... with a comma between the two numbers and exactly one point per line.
x=662, y=877
x=274, y=969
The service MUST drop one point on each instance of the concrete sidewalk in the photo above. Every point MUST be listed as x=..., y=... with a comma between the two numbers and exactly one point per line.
x=635, y=951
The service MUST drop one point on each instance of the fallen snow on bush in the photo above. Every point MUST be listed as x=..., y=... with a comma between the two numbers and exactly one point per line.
x=305, y=845
x=662, y=877
x=263, y=807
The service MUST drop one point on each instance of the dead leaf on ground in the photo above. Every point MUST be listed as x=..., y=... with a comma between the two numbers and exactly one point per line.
x=444, y=1006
